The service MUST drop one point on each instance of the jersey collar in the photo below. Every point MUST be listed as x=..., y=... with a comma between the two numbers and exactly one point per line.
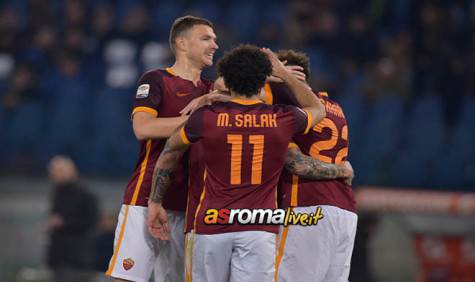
x=246, y=102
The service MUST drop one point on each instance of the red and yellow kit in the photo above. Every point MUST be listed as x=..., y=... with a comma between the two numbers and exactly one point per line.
x=244, y=144
x=327, y=142
x=162, y=94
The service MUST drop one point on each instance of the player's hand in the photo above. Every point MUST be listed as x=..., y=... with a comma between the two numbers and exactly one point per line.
x=278, y=68
x=296, y=71
x=208, y=99
x=220, y=85
x=157, y=221
x=347, y=172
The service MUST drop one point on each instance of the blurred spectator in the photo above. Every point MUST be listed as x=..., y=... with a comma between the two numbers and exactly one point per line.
x=40, y=13
x=391, y=75
x=42, y=48
x=135, y=25
x=74, y=215
x=75, y=13
x=359, y=42
x=102, y=29
x=9, y=29
x=22, y=88
x=104, y=242
x=360, y=261
x=74, y=41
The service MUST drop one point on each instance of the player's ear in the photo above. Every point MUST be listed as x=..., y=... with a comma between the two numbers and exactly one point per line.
x=180, y=43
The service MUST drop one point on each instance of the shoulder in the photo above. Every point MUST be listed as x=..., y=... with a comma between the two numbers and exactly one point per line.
x=156, y=74
x=200, y=112
x=285, y=108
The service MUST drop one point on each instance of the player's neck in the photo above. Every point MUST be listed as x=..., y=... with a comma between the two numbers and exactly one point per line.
x=239, y=96
x=187, y=70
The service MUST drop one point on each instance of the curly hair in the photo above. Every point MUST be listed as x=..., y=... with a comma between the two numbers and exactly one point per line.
x=295, y=58
x=245, y=69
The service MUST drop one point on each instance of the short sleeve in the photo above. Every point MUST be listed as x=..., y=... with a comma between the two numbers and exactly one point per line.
x=303, y=120
x=149, y=94
x=192, y=130
x=292, y=145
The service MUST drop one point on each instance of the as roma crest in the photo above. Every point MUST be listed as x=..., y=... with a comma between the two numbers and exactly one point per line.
x=128, y=263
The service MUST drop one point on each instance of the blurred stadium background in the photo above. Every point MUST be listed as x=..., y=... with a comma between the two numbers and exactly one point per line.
x=402, y=70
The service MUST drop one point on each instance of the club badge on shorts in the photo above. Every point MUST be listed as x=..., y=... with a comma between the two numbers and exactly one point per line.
x=128, y=263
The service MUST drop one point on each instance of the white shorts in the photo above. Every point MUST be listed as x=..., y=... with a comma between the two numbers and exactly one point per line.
x=319, y=252
x=137, y=253
x=235, y=257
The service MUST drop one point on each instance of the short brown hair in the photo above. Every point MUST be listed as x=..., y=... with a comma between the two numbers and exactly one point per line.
x=295, y=58
x=183, y=24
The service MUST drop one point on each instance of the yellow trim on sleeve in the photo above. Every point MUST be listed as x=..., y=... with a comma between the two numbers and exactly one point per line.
x=145, y=109
x=323, y=93
x=309, y=120
x=292, y=146
x=269, y=100
x=183, y=136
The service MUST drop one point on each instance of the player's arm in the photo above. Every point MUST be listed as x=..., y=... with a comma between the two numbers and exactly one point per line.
x=147, y=126
x=302, y=91
x=307, y=167
x=146, y=122
x=207, y=99
x=167, y=162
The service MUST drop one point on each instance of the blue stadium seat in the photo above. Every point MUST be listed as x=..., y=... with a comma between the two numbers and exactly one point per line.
x=383, y=136
x=243, y=18
x=66, y=124
x=455, y=166
x=90, y=157
x=23, y=131
x=110, y=114
x=423, y=138
x=354, y=107
x=274, y=14
x=207, y=9
x=163, y=16
x=110, y=139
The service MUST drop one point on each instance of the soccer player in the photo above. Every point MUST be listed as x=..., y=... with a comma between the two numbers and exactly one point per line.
x=245, y=144
x=160, y=96
x=320, y=252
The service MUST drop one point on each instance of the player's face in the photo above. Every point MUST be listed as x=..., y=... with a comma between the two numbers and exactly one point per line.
x=201, y=45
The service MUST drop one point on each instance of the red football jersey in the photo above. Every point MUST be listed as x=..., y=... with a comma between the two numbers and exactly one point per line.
x=244, y=144
x=327, y=142
x=195, y=183
x=162, y=94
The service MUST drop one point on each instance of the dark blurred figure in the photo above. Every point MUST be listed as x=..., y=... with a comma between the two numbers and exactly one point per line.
x=23, y=87
x=75, y=13
x=360, y=269
x=104, y=242
x=9, y=29
x=135, y=25
x=74, y=216
x=102, y=27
